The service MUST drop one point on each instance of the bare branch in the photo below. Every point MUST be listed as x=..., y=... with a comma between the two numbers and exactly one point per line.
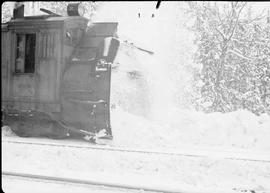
x=236, y=22
x=237, y=53
x=257, y=18
x=223, y=36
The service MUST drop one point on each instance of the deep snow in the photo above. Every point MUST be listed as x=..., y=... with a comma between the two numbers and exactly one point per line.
x=180, y=128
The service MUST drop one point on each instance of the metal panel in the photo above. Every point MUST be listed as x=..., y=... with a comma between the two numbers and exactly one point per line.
x=102, y=29
x=92, y=41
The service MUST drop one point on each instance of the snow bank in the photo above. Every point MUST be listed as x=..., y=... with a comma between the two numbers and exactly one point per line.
x=178, y=128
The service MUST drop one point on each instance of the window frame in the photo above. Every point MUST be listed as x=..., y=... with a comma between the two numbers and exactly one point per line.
x=15, y=52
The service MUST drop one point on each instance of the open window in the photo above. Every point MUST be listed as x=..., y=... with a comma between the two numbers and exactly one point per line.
x=25, y=53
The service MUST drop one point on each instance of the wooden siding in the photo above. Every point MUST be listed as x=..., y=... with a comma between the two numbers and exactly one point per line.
x=38, y=90
x=5, y=63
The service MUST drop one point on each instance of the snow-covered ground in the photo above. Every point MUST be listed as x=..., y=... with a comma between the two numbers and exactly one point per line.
x=230, y=134
x=181, y=172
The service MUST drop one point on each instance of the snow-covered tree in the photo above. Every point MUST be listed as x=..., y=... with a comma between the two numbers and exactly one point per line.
x=234, y=51
x=6, y=12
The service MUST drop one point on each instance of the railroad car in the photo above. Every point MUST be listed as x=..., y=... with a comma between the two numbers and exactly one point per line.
x=56, y=75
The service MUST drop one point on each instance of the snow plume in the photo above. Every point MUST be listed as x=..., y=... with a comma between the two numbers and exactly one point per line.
x=162, y=76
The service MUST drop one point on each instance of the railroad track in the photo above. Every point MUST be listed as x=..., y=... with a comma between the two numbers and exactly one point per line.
x=263, y=157
x=107, y=184
x=120, y=182
x=64, y=180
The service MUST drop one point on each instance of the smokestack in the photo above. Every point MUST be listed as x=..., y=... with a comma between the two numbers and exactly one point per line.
x=18, y=10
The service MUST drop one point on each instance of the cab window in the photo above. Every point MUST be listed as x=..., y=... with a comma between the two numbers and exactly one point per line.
x=25, y=53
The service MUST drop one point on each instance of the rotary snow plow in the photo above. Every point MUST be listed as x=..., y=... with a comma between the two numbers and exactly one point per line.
x=57, y=76
x=85, y=93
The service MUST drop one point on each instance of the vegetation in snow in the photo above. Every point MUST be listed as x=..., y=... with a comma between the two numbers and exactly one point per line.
x=234, y=51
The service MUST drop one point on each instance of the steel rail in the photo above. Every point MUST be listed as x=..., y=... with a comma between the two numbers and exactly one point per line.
x=146, y=151
x=120, y=185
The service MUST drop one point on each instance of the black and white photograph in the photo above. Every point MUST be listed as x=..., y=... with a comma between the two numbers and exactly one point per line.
x=135, y=96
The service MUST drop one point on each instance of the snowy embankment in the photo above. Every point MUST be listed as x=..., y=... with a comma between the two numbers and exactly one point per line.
x=240, y=129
